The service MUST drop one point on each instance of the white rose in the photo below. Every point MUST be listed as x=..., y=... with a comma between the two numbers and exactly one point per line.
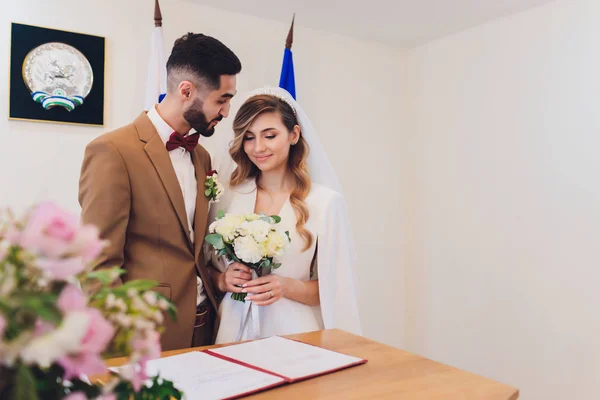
x=247, y=250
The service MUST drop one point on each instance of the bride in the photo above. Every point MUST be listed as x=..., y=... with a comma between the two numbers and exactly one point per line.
x=281, y=169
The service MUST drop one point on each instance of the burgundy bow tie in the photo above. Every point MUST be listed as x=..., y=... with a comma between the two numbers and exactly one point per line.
x=188, y=142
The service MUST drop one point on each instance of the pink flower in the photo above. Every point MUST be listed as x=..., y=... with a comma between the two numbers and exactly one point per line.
x=139, y=376
x=54, y=234
x=88, y=244
x=99, y=333
x=71, y=299
x=84, y=363
x=76, y=396
x=88, y=360
x=61, y=269
x=49, y=230
x=149, y=346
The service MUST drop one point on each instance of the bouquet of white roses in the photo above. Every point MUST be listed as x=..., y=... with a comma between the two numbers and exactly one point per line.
x=59, y=320
x=251, y=239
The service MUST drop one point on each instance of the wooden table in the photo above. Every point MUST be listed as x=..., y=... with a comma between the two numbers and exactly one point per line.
x=389, y=374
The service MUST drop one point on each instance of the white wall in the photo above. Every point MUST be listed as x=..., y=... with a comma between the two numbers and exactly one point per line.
x=348, y=88
x=503, y=159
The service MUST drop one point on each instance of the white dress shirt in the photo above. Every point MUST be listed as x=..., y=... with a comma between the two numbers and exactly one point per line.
x=186, y=175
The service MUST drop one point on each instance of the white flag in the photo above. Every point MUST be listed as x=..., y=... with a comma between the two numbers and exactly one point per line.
x=156, y=86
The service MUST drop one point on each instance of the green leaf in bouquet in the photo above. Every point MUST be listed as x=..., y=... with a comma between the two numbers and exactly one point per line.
x=287, y=233
x=220, y=214
x=275, y=265
x=266, y=263
x=43, y=305
x=239, y=297
x=215, y=240
x=207, y=192
x=105, y=276
x=139, y=284
x=25, y=388
x=276, y=218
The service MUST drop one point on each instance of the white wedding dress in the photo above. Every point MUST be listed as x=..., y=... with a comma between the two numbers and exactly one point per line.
x=331, y=266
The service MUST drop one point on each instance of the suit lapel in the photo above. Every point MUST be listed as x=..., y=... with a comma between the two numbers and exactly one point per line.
x=201, y=203
x=200, y=224
x=159, y=156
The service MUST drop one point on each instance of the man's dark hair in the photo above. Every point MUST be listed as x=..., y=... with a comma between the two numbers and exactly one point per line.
x=203, y=57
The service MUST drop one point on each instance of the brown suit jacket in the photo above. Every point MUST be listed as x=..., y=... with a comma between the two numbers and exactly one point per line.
x=129, y=190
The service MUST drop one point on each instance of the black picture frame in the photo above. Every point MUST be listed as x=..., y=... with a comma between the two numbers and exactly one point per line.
x=25, y=38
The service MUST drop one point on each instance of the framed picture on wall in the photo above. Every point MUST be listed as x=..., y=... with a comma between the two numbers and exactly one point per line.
x=56, y=76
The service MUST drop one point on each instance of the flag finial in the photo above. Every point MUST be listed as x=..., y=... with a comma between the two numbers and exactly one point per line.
x=157, y=14
x=290, y=36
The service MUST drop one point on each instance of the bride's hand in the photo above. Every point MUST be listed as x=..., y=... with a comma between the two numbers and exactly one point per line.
x=265, y=290
x=234, y=277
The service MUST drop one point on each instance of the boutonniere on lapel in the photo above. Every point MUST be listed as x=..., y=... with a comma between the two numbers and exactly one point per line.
x=213, y=188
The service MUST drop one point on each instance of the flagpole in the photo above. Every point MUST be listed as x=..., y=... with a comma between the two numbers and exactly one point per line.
x=290, y=37
x=156, y=84
x=287, y=79
x=157, y=15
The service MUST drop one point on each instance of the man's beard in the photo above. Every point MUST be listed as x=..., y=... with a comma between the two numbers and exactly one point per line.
x=197, y=119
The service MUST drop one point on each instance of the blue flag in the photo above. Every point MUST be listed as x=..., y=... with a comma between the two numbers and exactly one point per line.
x=287, y=80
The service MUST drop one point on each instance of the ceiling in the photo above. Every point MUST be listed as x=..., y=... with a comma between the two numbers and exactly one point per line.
x=398, y=23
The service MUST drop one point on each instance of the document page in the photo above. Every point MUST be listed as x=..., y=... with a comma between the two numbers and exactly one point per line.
x=202, y=376
x=289, y=358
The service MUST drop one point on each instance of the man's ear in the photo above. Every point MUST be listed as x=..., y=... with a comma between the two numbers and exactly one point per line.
x=185, y=89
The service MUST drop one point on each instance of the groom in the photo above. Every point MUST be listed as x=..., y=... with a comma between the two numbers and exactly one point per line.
x=142, y=185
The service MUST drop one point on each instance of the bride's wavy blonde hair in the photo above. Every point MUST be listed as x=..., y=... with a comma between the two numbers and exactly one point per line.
x=245, y=169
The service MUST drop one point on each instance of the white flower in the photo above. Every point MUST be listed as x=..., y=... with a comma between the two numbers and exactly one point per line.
x=158, y=317
x=46, y=349
x=124, y=320
x=150, y=298
x=131, y=292
x=138, y=305
x=111, y=301
x=143, y=324
x=8, y=281
x=276, y=243
x=259, y=229
x=251, y=217
x=163, y=304
x=247, y=249
x=227, y=226
x=120, y=304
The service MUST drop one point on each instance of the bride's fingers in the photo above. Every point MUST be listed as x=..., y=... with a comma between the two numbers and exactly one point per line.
x=243, y=275
x=259, y=281
x=237, y=284
x=260, y=289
